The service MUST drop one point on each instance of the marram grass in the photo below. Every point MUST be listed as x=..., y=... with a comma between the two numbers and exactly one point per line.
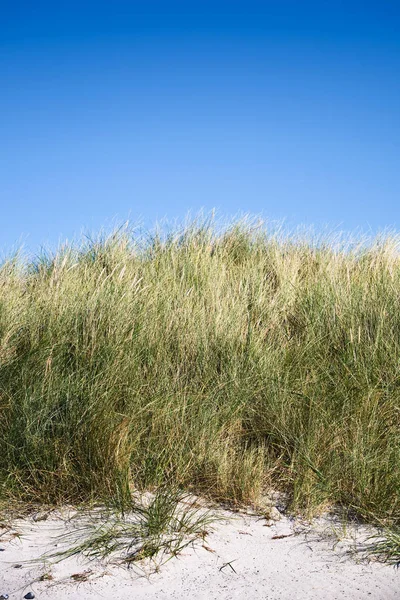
x=220, y=361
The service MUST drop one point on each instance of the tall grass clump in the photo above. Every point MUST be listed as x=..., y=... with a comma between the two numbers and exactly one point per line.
x=219, y=360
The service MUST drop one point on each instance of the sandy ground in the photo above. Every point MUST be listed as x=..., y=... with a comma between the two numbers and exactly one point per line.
x=244, y=557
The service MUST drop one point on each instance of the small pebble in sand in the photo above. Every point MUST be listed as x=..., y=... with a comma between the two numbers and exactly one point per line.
x=4, y=597
x=274, y=514
x=29, y=596
x=2, y=549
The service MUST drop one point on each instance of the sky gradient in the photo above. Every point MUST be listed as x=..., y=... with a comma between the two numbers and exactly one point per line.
x=144, y=110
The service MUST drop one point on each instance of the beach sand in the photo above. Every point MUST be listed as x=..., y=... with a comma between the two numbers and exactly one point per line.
x=245, y=557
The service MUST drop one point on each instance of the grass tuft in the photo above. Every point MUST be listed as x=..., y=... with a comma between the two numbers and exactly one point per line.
x=386, y=547
x=158, y=528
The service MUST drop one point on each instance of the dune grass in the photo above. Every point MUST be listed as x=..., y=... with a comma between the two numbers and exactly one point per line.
x=219, y=360
x=156, y=528
x=386, y=546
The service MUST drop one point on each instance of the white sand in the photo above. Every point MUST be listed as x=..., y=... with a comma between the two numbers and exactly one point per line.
x=308, y=564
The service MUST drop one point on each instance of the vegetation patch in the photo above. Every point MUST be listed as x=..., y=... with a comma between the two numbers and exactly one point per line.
x=158, y=527
x=219, y=360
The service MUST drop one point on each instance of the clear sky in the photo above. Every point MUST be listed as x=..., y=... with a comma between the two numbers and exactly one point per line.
x=118, y=109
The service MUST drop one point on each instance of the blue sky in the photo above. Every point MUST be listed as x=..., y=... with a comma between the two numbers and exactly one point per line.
x=119, y=109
